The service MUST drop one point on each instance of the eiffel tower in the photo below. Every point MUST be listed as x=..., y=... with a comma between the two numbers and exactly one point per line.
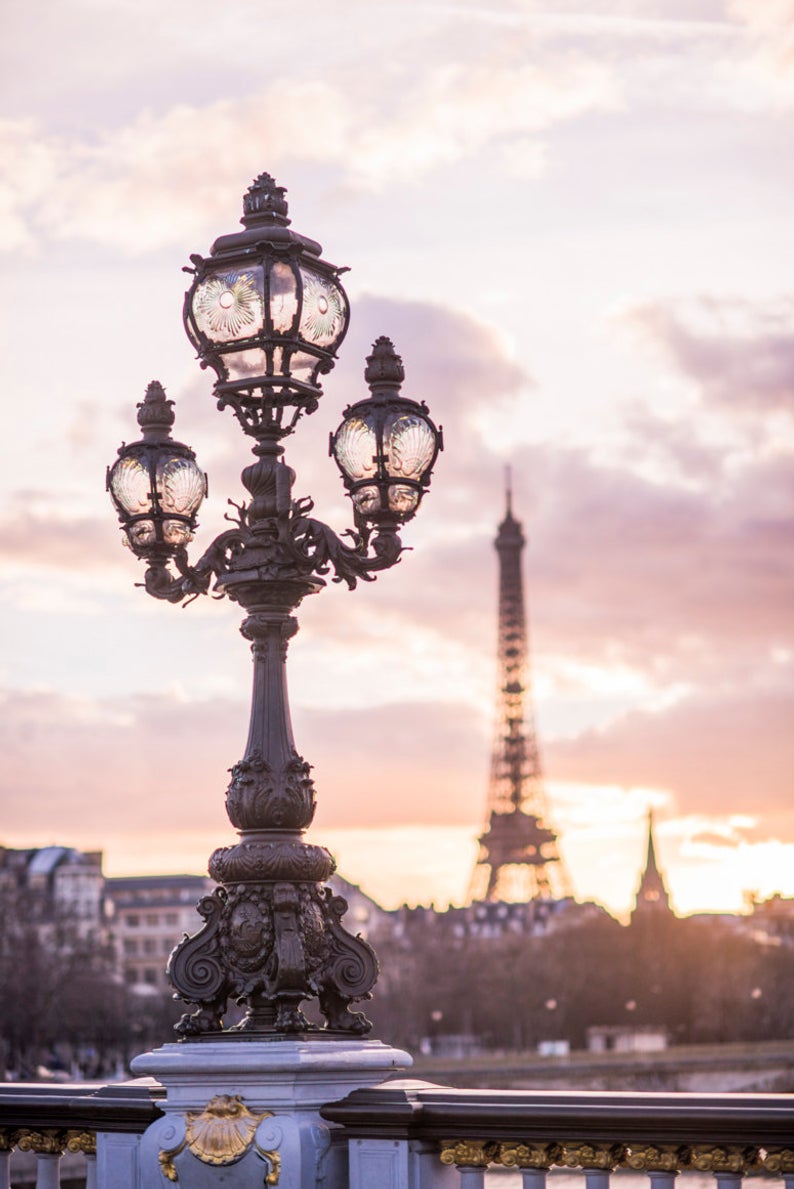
x=518, y=858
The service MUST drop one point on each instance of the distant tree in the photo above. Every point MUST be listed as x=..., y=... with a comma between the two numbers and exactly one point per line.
x=59, y=991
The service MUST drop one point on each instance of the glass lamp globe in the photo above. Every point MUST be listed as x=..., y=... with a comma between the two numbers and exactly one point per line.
x=155, y=484
x=265, y=312
x=387, y=444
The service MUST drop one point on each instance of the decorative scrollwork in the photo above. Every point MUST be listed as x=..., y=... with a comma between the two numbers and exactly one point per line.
x=348, y=973
x=779, y=1161
x=196, y=973
x=734, y=1158
x=49, y=1142
x=518, y=1155
x=604, y=1156
x=469, y=1153
x=657, y=1157
x=81, y=1141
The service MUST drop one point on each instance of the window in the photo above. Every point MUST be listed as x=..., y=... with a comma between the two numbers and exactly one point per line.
x=150, y=976
x=149, y=946
x=168, y=945
x=152, y=918
x=133, y=920
x=130, y=947
x=172, y=918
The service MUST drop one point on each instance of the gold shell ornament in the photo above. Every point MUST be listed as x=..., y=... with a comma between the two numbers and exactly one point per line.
x=221, y=1134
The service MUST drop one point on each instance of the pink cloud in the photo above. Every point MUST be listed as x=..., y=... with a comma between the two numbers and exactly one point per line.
x=717, y=752
x=739, y=353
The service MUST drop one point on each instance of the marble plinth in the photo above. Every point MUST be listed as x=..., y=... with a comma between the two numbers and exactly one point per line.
x=244, y=1113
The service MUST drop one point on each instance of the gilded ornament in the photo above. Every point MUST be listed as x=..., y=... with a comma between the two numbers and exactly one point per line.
x=657, y=1158
x=8, y=1138
x=725, y=1158
x=469, y=1153
x=221, y=1134
x=528, y=1155
x=43, y=1143
x=81, y=1141
x=779, y=1161
x=604, y=1156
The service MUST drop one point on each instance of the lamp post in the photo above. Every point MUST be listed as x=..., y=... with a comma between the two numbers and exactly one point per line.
x=266, y=313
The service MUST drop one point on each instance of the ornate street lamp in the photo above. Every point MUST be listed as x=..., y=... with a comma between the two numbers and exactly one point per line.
x=266, y=313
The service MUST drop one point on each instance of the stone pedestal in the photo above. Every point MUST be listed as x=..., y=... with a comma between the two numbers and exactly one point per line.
x=245, y=1113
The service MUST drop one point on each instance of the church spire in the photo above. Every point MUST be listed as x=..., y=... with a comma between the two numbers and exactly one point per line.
x=652, y=894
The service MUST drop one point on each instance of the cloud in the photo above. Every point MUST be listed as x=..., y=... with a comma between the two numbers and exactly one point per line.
x=674, y=581
x=410, y=124
x=58, y=542
x=771, y=25
x=718, y=752
x=740, y=354
x=124, y=761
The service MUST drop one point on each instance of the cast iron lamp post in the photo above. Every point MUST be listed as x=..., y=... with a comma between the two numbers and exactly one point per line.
x=267, y=313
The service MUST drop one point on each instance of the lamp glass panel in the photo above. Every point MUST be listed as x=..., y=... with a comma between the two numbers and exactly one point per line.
x=403, y=498
x=356, y=449
x=177, y=532
x=180, y=484
x=409, y=444
x=283, y=297
x=228, y=306
x=131, y=485
x=302, y=367
x=243, y=364
x=367, y=499
x=324, y=310
x=142, y=533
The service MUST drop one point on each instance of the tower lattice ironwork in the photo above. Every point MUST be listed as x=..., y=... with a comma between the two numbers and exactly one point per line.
x=518, y=858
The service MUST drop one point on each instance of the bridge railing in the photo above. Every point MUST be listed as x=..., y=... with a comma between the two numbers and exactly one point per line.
x=39, y=1124
x=410, y=1135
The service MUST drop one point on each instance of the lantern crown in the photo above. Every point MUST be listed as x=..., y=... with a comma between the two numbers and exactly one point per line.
x=267, y=314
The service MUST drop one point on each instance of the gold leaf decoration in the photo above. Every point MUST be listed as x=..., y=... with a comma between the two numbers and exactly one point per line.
x=528, y=1155
x=166, y=1158
x=604, y=1156
x=224, y=1131
x=43, y=1143
x=469, y=1153
x=779, y=1161
x=81, y=1141
x=724, y=1158
x=221, y=1134
x=657, y=1157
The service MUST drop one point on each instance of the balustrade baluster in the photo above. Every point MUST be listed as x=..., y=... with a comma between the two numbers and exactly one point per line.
x=728, y=1180
x=471, y=1178
x=533, y=1178
x=596, y=1178
x=48, y=1170
x=662, y=1180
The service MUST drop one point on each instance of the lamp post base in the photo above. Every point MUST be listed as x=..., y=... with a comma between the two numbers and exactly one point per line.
x=251, y=1109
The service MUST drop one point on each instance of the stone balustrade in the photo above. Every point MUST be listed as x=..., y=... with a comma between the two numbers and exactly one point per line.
x=411, y=1135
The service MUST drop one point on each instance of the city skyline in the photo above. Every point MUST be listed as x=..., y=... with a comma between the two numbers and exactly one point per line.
x=574, y=223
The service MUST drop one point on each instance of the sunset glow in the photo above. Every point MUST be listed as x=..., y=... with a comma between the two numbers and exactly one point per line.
x=574, y=221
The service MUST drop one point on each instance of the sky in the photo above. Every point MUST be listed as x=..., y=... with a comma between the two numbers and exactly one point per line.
x=574, y=221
